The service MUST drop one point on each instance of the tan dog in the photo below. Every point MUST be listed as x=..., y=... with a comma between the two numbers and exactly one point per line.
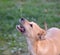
x=40, y=42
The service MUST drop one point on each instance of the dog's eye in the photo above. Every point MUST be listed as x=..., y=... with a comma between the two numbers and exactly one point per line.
x=31, y=25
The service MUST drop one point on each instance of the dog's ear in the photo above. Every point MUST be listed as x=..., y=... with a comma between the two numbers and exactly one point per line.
x=41, y=35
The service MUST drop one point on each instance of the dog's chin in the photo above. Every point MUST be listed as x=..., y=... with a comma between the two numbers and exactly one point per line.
x=20, y=28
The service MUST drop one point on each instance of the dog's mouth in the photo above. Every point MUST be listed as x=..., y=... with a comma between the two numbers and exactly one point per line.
x=21, y=28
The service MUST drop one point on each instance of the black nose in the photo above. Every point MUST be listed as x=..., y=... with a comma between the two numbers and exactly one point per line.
x=22, y=19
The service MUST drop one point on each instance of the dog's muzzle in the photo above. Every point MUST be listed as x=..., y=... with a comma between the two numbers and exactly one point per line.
x=21, y=27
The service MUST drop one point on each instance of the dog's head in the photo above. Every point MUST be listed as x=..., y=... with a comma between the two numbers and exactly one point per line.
x=29, y=28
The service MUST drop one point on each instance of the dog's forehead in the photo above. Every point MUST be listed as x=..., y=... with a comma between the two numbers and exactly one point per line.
x=33, y=23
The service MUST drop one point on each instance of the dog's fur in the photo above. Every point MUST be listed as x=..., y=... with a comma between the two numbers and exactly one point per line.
x=41, y=42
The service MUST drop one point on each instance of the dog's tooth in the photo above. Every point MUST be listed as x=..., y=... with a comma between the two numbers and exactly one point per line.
x=17, y=26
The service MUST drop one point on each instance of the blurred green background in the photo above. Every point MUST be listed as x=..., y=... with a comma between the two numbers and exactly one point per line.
x=39, y=11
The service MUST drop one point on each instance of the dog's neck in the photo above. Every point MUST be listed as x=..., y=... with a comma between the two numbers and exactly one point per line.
x=32, y=41
x=31, y=44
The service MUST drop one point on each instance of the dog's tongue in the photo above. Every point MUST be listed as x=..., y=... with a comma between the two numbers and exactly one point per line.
x=21, y=28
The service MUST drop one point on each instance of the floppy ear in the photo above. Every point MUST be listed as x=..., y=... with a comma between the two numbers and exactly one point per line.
x=41, y=35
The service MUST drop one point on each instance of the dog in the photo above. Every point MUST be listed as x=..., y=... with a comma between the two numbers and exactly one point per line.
x=40, y=41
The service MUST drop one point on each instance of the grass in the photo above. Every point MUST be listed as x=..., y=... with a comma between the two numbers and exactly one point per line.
x=38, y=11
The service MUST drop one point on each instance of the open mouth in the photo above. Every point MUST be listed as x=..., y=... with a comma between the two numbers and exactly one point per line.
x=20, y=28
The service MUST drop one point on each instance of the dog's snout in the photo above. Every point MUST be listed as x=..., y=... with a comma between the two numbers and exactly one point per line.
x=22, y=19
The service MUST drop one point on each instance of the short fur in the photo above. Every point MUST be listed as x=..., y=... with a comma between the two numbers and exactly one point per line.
x=41, y=42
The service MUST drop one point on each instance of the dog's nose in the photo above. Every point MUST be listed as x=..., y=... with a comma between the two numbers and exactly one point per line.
x=22, y=19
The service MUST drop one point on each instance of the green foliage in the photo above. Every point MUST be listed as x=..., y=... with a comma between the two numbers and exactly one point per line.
x=38, y=11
